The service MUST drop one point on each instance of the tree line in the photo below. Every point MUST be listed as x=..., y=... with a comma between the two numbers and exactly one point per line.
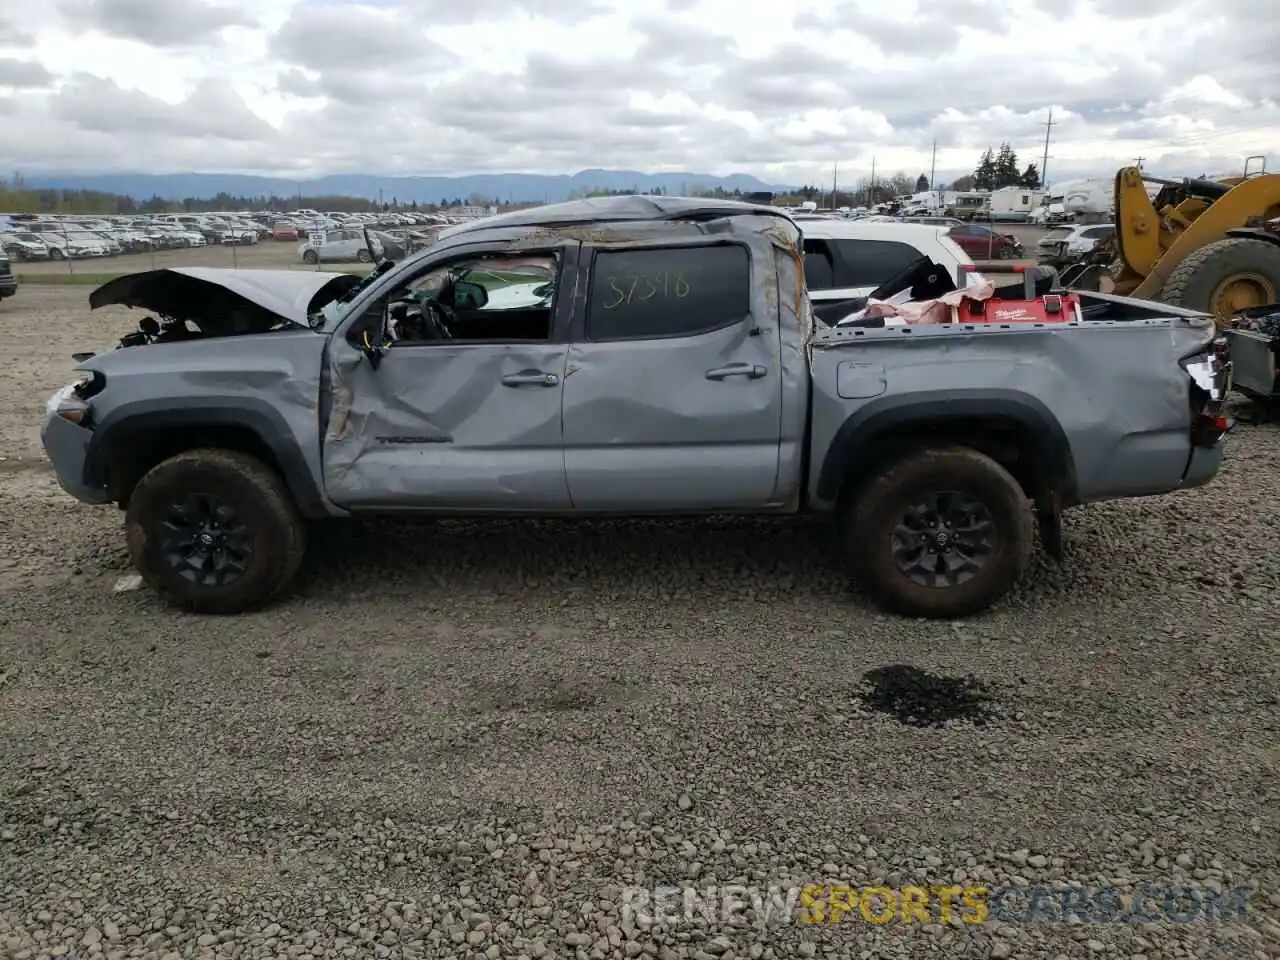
x=995, y=169
x=17, y=197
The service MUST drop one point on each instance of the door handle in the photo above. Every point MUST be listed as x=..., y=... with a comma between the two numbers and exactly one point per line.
x=748, y=370
x=530, y=378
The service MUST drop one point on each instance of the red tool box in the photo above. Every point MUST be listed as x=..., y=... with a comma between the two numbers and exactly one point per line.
x=1029, y=302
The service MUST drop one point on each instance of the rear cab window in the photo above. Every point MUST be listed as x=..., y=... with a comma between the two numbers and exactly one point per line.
x=819, y=268
x=684, y=291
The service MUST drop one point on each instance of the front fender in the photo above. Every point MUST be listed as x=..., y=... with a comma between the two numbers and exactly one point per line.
x=129, y=423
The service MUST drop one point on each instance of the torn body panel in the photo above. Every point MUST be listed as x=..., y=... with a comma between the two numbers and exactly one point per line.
x=272, y=395
x=440, y=426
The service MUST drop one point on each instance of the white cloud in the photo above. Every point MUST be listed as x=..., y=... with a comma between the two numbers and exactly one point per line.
x=298, y=88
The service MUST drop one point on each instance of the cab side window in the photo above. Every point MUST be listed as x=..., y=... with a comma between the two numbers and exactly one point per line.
x=668, y=292
x=869, y=263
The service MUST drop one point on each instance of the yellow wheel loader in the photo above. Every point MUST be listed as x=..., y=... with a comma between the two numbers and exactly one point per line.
x=1206, y=245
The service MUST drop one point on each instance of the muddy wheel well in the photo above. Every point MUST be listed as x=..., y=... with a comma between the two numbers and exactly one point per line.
x=1008, y=442
x=148, y=448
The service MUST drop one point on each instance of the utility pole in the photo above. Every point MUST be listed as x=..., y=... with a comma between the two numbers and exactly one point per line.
x=933, y=167
x=835, y=179
x=1044, y=165
x=1137, y=162
x=871, y=191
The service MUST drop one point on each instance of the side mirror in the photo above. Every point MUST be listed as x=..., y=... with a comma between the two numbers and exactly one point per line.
x=372, y=351
x=369, y=335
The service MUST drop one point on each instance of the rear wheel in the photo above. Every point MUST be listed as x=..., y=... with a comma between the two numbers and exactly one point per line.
x=944, y=532
x=214, y=531
x=1226, y=277
x=56, y=254
x=364, y=256
x=310, y=256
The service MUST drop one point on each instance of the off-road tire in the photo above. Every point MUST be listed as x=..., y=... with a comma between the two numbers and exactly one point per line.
x=257, y=492
x=1192, y=282
x=310, y=256
x=872, y=513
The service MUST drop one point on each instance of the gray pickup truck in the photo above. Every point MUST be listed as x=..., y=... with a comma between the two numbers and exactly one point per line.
x=620, y=356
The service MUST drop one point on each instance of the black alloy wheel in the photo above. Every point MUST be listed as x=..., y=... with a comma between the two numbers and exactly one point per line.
x=206, y=541
x=944, y=540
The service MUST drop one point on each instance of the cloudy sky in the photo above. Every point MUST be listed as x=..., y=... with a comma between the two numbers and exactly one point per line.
x=299, y=88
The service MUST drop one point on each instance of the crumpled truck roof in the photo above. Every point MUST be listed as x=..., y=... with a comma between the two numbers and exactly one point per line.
x=600, y=210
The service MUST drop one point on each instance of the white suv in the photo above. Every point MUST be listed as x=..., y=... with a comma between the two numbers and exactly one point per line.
x=1066, y=243
x=844, y=259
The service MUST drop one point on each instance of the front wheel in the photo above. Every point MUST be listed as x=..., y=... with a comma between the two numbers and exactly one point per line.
x=56, y=254
x=364, y=256
x=311, y=257
x=214, y=531
x=942, y=533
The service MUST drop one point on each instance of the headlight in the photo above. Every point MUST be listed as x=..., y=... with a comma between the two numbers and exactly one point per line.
x=71, y=403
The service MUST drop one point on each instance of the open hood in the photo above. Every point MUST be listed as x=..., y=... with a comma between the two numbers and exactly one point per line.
x=217, y=298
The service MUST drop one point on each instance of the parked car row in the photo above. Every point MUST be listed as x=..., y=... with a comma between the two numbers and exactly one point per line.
x=77, y=238
x=35, y=237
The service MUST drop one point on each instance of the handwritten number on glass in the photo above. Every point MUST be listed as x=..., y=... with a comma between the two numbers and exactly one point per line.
x=628, y=289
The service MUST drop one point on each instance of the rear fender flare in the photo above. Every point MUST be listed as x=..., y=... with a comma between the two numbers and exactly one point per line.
x=938, y=410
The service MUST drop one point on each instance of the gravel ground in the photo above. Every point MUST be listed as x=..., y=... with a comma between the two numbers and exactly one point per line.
x=465, y=740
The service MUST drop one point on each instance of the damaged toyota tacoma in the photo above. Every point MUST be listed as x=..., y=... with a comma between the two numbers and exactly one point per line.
x=617, y=356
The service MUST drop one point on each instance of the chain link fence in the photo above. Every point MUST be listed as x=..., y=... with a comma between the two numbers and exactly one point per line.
x=77, y=250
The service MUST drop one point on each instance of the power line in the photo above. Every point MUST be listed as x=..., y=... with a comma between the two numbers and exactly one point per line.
x=1044, y=165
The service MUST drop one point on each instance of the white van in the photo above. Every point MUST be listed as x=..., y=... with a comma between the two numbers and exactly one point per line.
x=844, y=259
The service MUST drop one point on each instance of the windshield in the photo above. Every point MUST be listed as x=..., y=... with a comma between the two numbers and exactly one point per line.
x=335, y=310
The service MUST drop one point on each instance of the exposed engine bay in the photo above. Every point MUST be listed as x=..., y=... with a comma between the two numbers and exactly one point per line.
x=168, y=329
x=197, y=303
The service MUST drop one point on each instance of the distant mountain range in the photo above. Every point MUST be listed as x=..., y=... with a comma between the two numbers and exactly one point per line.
x=504, y=187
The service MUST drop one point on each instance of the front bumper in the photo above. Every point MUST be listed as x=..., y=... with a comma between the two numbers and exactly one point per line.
x=67, y=446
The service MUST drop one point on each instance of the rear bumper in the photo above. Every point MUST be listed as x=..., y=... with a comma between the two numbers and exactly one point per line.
x=1203, y=466
x=8, y=285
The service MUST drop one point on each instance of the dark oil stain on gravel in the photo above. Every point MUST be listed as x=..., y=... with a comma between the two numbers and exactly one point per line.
x=918, y=698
